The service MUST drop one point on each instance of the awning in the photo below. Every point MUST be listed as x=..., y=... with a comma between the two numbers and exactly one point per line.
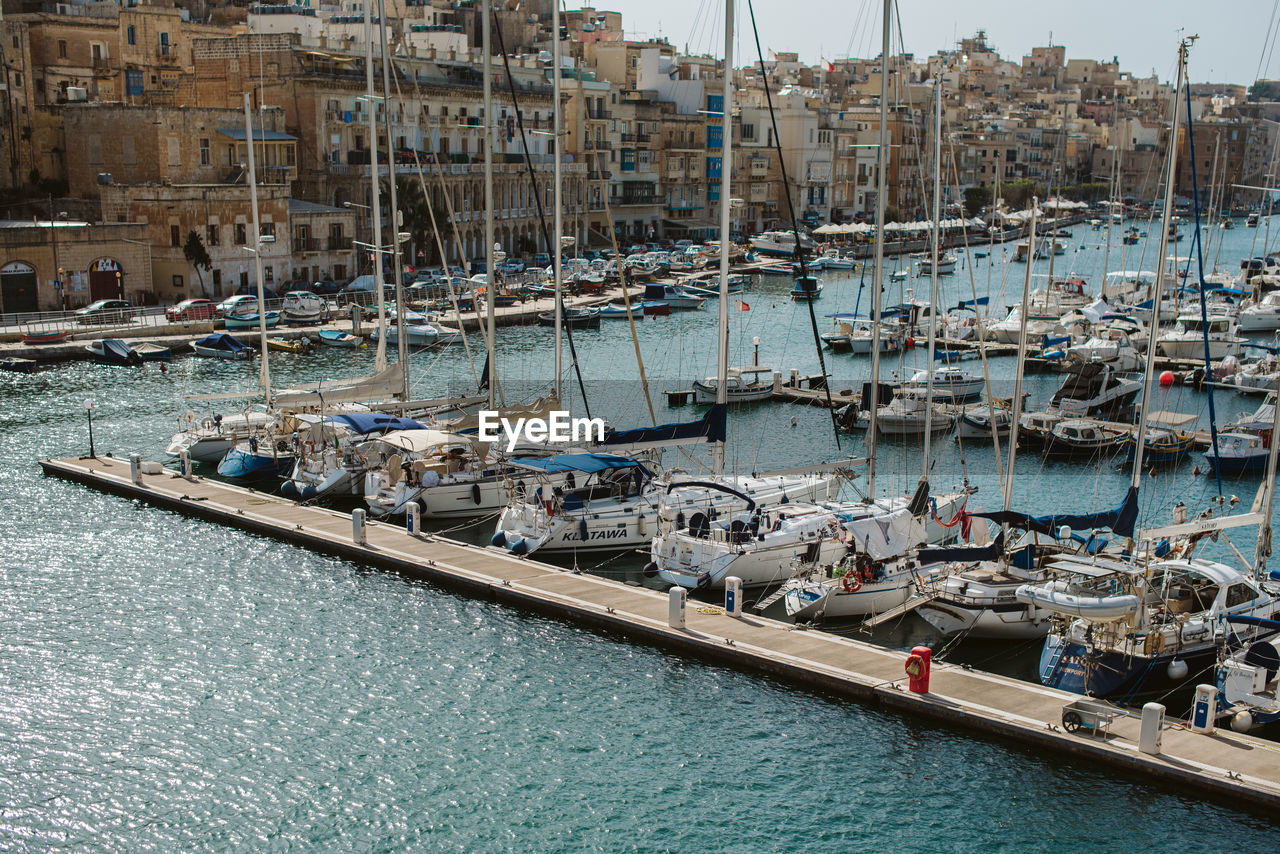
x=259, y=135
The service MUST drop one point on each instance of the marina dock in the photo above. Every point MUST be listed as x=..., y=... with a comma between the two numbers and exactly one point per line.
x=1225, y=765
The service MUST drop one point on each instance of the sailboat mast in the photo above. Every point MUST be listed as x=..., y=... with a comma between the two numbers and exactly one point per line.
x=726, y=170
x=1020, y=366
x=933, y=268
x=375, y=199
x=491, y=276
x=877, y=280
x=1165, y=217
x=1111, y=194
x=264, y=375
x=402, y=338
x=558, y=192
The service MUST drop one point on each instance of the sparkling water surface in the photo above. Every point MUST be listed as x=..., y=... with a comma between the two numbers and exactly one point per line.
x=171, y=684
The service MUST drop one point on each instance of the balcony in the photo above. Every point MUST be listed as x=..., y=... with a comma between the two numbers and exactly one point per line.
x=101, y=67
x=636, y=137
x=167, y=53
x=339, y=244
x=633, y=200
x=307, y=244
x=599, y=115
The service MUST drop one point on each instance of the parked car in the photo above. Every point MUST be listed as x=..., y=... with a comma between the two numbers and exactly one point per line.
x=542, y=259
x=511, y=265
x=191, y=309
x=238, y=304
x=106, y=311
x=325, y=288
x=252, y=290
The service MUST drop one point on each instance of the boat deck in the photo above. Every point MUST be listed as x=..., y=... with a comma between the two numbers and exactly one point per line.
x=1229, y=766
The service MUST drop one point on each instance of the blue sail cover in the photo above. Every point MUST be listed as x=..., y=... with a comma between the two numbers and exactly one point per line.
x=710, y=427
x=963, y=554
x=972, y=303
x=374, y=422
x=588, y=463
x=1122, y=520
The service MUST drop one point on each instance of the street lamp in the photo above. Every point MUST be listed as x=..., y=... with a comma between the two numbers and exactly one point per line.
x=88, y=408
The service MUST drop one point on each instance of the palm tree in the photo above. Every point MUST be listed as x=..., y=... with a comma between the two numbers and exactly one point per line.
x=417, y=217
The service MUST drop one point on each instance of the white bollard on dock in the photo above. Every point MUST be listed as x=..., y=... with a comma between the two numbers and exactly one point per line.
x=676, y=597
x=733, y=596
x=357, y=527
x=1150, y=738
x=413, y=519
x=135, y=469
x=184, y=464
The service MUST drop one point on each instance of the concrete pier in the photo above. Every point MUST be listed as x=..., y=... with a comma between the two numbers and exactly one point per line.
x=1228, y=766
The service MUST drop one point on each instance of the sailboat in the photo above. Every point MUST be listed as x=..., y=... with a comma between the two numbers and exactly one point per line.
x=1178, y=611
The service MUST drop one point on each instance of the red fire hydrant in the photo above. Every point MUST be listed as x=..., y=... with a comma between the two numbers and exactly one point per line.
x=918, y=669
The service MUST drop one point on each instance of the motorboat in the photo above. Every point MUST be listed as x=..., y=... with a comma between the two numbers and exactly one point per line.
x=1034, y=429
x=1058, y=297
x=1111, y=347
x=1162, y=445
x=1094, y=390
x=781, y=243
x=151, y=352
x=675, y=296
x=112, y=351
x=1187, y=339
x=949, y=384
x=833, y=260
x=289, y=345
x=1007, y=331
x=1238, y=453
x=908, y=415
x=264, y=455
x=806, y=289
x=975, y=421
x=743, y=384
x=303, y=307
x=1261, y=316
x=1255, y=376
x=1247, y=683
x=946, y=264
x=862, y=332
x=249, y=321
x=220, y=345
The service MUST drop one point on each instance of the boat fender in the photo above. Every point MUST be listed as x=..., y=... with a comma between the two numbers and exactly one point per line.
x=288, y=490
x=704, y=580
x=308, y=492
x=519, y=547
x=680, y=521
x=582, y=529
x=499, y=540
x=1242, y=721
x=475, y=492
x=1178, y=670
x=642, y=525
x=651, y=569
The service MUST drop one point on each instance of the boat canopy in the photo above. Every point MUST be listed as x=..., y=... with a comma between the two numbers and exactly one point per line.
x=710, y=427
x=586, y=463
x=421, y=441
x=374, y=422
x=222, y=341
x=1121, y=519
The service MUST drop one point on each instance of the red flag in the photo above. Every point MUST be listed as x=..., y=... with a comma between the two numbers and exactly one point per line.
x=742, y=305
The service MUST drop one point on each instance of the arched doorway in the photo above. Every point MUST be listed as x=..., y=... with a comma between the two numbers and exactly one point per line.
x=106, y=279
x=18, y=290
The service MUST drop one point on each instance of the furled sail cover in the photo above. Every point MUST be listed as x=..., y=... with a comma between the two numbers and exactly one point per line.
x=963, y=554
x=1121, y=520
x=710, y=428
x=385, y=385
x=886, y=536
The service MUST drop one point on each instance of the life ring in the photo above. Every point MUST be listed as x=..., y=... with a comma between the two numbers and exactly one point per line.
x=207, y=423
x=851, y=582
x=310, y=447
x=914, y=666
x=1154, y=643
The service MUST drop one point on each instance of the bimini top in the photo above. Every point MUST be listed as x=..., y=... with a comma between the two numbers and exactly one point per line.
x=374, y=422
x=421, y=441
x=587, y=463
x=222, y=341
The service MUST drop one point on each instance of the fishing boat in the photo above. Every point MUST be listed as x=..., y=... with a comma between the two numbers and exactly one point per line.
x=975, y=422
x=743, y=384
x=150, y=352
x=1082, y=437
x=1163, y=446
x=1238, y=453
x=806, y=289
x=221, y=346
x=51, y=337
x=336, y=338
x=946, y=264
x=112, y=351
x=578, y=318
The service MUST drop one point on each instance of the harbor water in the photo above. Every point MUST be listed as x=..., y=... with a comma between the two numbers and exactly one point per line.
x=170, y=684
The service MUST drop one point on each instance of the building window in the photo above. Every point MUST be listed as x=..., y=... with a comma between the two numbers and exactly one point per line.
x=62, y=48
x=177, y=281
x=132, y=35
x=268, y=229
x=175, y=236
x=217, y=280
x=242, y=234
x=211, y=234
x=204, y=152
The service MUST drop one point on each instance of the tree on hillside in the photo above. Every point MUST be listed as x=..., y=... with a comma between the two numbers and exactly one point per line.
x=975, y=199
x=197, y=256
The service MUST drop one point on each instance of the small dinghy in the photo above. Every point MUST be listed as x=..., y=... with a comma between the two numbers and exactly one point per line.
x=54, y=337
x=1054, y=597
x=578, y=318
x=222, y=346
x=336, y=338
x=112, y=351
x=150, y=352
x=285, y=345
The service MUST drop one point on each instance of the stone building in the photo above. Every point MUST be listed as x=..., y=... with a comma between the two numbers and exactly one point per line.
x=97, y=261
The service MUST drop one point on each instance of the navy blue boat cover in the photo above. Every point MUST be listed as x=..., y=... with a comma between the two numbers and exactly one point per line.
x=375, y=422
x=222, y=341
x=711, y=426
x=965, y=554
x=588, y=463
x=1122, y=520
